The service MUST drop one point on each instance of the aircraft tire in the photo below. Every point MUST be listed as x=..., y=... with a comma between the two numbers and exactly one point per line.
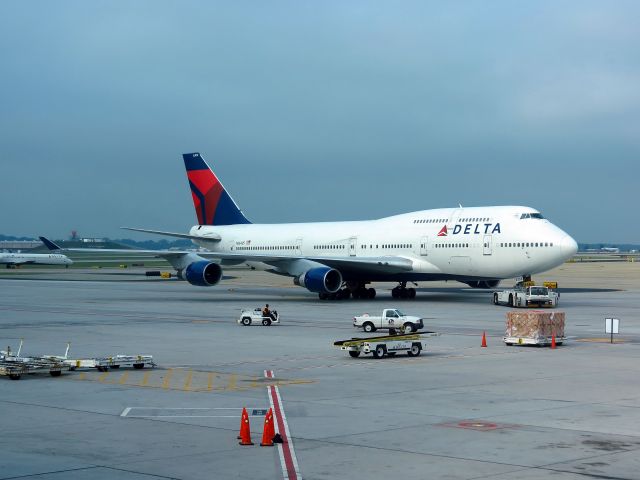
x=371, y=293
x=411, y=292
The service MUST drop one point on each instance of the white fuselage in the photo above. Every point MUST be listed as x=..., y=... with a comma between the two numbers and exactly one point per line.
x=34, y=258
x=480, y=242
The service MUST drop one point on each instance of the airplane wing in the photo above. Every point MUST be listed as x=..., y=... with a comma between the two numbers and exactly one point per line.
x=386, y=264
x=210, y=236
x=181, y=258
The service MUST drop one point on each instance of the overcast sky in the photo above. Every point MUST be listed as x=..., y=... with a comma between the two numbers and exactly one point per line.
x=318, y=111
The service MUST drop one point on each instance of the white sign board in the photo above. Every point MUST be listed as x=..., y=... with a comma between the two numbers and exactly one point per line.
x=611, y=325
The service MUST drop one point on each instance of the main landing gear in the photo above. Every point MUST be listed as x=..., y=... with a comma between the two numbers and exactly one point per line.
x=401, y=291
x=357, y=291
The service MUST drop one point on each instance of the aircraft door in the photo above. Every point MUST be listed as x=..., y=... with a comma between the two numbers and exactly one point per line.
x=352, y=246
x=423, y=245
x=298, y=246
x=487, y=247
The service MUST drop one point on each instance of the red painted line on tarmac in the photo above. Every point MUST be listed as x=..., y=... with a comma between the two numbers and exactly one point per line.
x=288, y=460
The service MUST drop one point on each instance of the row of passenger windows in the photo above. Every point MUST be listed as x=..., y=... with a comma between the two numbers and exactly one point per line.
x=463, y=220
x=430, y=220
x=265, y=248
x=527, y=244
x=329, y=247
x=451, y=245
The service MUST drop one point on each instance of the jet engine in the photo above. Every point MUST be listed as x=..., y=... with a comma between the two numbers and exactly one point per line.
x=483, y=283
x=320, y=280
x=203, y=273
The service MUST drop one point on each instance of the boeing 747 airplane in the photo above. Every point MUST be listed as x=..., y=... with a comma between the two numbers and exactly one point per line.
x=478, y=246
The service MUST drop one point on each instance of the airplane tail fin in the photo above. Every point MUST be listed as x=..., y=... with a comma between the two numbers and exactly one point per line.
x=214, y=206
x=49, y=244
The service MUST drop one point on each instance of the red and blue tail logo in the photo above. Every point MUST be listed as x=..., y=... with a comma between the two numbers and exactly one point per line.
x=214, y=206
x=443, y=232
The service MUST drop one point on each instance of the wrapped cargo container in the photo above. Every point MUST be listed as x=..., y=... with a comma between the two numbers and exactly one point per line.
x=534, y=327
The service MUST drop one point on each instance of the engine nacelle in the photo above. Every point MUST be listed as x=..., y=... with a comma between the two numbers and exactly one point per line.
x=484, y=283
x=320, y=280
x=203, y=274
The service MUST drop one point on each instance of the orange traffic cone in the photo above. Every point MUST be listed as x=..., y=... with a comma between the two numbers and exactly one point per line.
x=484, y=340
x=553, y=341
x=269, y=430
x=245, y=429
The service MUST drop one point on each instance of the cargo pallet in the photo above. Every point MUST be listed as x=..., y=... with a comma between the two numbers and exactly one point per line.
x=539, y=341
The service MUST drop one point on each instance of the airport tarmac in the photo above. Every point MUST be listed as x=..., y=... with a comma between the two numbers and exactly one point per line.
x=458, y=411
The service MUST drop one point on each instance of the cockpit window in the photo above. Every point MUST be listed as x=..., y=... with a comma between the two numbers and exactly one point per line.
x=531, y=215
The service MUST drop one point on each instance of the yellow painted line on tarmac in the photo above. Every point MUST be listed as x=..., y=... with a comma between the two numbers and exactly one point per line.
x=167, y=379
x=233, y=382
x=210, y=381
x=82, y=376
x=103, y=377
x=123, y=378
x=254, y=382
x=187, y=382
x=145, y=379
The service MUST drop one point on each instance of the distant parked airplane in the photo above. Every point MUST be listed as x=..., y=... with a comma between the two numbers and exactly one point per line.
x=478, y=246
x=14, y=259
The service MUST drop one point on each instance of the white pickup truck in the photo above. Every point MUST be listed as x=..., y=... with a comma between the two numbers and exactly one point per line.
x=531, y=296
x=391, y=319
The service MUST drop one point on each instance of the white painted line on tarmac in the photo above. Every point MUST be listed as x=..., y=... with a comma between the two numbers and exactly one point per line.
x=288, y=459
x=125, y=412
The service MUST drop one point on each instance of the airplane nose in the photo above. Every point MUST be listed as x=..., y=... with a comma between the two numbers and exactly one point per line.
x=569, y=246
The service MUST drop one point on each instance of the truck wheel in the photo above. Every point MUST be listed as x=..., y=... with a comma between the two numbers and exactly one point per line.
x=411, y=293
x=138, y=366
x=379, y=351
x=354, y=353
x=408, y=328
x=368, y=327
x=415, y=350
x=55, y=373
x=246, y=321
x=495, y=298
x=511, y=304
x=266, y=322
x=14, y=376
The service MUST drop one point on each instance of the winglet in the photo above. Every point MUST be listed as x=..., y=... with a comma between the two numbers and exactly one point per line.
x=214, y=206
x=49, y=244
